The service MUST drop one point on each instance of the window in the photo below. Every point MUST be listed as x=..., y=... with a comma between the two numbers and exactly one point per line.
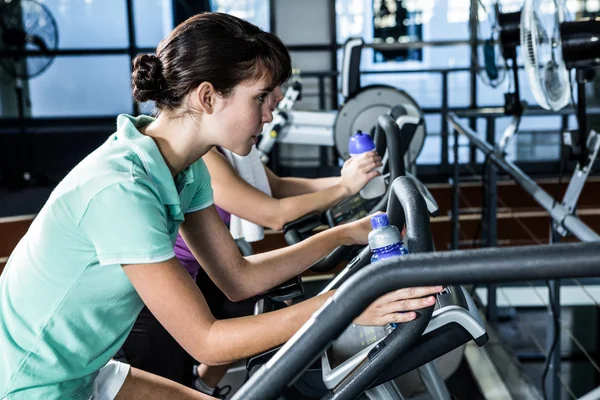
x=91, y=84
x=254, y=11
x=394, y=23
x=153, y=21
x=82, y=86
x=90, y=24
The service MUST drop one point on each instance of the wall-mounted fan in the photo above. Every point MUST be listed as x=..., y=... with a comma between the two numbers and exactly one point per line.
x=499, y=35
x=30, y=34
x=551, y=47
x=28, y=39
x=493, y=71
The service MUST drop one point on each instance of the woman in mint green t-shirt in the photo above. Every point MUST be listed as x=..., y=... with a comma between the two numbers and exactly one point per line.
x=102, y=245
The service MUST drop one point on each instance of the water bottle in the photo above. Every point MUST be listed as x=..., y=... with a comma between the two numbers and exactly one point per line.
x=385, y=240
x=361, y=143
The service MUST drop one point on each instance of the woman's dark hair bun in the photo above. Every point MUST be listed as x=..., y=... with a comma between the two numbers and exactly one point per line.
x=147, y=78
x=210, y=47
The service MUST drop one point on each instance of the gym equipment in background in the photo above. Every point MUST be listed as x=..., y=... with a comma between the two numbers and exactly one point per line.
x=30, y=35
x=500, y=35
x=552, y=45
x=351, y=365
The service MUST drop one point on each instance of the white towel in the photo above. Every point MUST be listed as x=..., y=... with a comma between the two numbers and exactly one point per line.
x=252, y=170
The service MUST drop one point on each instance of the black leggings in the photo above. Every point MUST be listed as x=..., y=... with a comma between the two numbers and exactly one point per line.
x=151, y=348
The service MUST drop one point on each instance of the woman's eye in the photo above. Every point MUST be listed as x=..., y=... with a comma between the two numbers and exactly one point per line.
x=262, y=98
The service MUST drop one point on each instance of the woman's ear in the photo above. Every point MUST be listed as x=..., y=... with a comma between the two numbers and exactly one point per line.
x=205, y=96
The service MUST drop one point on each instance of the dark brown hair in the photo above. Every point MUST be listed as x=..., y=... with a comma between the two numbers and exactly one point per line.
x=213, y=47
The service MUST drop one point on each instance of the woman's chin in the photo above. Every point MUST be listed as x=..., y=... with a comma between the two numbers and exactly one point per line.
x=242, y=151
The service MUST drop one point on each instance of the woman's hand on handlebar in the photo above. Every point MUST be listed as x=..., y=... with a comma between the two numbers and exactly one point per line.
x=398, y=306
x=358, y=171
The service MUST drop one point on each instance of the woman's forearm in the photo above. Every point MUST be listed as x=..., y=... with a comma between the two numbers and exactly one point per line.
x=292, y=208
x=287, y=187
x=264, y=271
x=229, y=339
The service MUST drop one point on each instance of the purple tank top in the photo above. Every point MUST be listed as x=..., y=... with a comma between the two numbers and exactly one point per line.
x=182, y=251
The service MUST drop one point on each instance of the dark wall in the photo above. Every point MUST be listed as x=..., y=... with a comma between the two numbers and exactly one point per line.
x=53, y=153
x=183, y=9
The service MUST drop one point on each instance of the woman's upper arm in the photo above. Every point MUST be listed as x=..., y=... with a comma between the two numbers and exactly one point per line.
x=274, y=183
x=215, y=250
x=174, y=299
x=236, y=196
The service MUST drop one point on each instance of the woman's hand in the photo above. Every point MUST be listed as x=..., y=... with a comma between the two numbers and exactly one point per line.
x=358, y=171
x=357, y=232
x=398, y=306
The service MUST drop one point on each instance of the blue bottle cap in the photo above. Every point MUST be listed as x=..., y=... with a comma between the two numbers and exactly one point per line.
x=360, y=143
x=380, y=221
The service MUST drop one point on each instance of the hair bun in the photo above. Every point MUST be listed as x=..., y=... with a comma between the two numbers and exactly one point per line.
x=147, y=78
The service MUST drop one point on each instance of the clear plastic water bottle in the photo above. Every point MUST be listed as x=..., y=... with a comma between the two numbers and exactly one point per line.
x=361, y=143
x=385, y=240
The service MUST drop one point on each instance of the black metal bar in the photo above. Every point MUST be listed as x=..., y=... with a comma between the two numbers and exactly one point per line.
x=553, y=332
x=321, y=93
x=309, y=47
x=556, y=210
x=132, y=47
x=333, y=52
x=272, y=17
x=416, y=45
x=553, y=385
x=74, y=52
x=490, y=200
x=582, y=114
x=455, y=193
x=444, y=112
x=413, y=71
x=564, y=123
x=530, y=111
x=296, y=47
x=473, y=43
x=444, y=268
x=316, y=74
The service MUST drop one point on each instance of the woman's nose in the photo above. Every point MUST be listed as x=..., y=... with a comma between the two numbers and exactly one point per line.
x=267, y=115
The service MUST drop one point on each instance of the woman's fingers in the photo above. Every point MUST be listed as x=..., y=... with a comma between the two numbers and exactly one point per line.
x=371, y=160
x=410, y=293
x=401, y=306
x=397, y=318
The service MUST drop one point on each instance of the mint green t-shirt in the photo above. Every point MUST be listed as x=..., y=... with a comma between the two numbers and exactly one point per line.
x=66, y=305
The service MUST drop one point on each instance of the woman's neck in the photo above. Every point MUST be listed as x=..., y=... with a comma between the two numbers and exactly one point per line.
x=179, y=140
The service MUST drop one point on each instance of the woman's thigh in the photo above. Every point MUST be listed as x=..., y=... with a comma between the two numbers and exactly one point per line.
x=142, y=385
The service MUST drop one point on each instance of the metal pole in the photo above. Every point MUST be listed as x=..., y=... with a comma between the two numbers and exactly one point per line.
x=456, y=188
x=321, y=92
x=491, y=201
x=132, y=48
x=556, y=210
x=474, y=66
x=272, y=17
x=552, y=383
x=444, y=112
x=333, y=52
